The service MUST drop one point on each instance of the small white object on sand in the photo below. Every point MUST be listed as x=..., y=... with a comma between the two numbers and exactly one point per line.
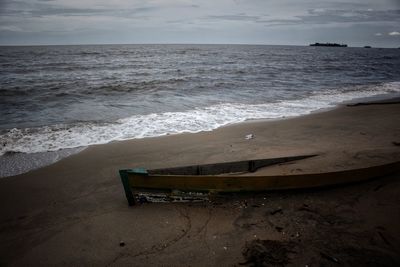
x=249, y=136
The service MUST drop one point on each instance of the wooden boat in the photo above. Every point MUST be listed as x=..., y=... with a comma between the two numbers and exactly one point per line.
x=238, y=176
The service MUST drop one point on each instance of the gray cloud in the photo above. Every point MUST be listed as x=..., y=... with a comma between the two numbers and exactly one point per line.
x=343, y=15
x=27, y=9
x=204, y=21
x=322, y=16
x=318, y=16
x=234, y=17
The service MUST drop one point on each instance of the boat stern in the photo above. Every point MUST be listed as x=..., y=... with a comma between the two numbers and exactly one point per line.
x=124, y=174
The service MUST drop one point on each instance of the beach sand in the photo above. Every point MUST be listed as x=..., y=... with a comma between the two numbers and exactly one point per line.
x=74, y=212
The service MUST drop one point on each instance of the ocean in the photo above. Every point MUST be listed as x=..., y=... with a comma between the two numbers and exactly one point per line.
x=57, y=100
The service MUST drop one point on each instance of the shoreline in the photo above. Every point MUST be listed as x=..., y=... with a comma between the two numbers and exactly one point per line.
x=74, y=212
x=27, y=162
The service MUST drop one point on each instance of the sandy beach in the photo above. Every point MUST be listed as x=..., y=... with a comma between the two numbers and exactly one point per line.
x=74, y=212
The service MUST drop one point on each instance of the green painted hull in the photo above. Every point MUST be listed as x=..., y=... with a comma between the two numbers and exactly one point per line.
x=139, y=179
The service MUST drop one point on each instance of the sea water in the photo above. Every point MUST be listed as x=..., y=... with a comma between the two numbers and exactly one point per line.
x=56, y=100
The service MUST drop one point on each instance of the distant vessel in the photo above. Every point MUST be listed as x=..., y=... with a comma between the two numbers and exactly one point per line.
x=329, y=44
x=367, y=46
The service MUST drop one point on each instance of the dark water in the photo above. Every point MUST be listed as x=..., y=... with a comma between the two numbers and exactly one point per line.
x=54, y=97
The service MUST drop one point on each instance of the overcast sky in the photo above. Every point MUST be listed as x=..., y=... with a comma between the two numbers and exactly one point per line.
x=294, y=22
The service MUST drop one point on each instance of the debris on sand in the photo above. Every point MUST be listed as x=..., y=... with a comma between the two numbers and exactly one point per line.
x=278, y=210
x=329, y=257
x=249, y=136
x=267, y=253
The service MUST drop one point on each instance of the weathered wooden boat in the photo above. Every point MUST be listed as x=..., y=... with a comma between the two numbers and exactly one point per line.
x=239, y=176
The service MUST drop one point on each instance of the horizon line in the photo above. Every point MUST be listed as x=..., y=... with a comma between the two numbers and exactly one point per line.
x=244, y=44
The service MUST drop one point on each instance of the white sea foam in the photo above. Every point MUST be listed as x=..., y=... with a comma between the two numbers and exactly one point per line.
x=55, y=137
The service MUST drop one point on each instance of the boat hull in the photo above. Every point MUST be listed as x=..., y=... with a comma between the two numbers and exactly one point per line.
x=140, y=179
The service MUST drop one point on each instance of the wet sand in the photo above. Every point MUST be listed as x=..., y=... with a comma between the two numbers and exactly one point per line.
x=74, y=212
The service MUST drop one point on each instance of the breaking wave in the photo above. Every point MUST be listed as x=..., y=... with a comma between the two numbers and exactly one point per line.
x=61, y=136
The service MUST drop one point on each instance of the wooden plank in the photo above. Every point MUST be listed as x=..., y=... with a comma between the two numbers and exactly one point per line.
x=257, y=183
x=127, y=187
x=225, y=167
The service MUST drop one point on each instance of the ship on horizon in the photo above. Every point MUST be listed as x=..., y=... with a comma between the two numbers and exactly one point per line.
x=329, y=44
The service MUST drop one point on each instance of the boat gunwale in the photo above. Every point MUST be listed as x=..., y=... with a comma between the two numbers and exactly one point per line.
x=232, y=175
x=251, y=166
